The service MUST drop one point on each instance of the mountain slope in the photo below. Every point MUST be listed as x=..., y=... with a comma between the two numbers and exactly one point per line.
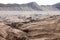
x=21, y=7
x=32, y=6
x=57, y=5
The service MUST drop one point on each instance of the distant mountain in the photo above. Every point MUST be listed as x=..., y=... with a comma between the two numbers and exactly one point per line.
x=32, y=6
x=21, y=7
x=57, y=6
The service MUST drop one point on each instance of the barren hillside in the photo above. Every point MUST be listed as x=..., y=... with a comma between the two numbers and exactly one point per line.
x=41, y=29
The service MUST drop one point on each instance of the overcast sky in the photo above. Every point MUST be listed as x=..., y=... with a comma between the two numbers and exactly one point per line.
x=40, y=2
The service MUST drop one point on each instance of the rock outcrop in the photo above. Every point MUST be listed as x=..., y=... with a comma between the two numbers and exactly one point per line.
x=9, y=33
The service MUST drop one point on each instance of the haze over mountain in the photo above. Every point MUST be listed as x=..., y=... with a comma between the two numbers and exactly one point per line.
x=32, y=6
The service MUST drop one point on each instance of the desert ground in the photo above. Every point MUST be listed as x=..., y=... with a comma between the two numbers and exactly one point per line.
x=29, y=25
